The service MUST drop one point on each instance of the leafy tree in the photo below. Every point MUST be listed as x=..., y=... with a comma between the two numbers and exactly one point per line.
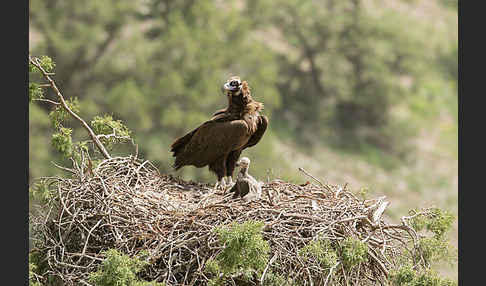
x=93, y=32
x=163, y=75
x=345, y=66
x=107, y=131
x=195, y=46
x=333, y=72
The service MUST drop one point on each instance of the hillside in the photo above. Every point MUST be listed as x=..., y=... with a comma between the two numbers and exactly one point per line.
x=360, y=93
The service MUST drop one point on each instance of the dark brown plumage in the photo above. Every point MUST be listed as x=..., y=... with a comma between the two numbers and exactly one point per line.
x=218, y=142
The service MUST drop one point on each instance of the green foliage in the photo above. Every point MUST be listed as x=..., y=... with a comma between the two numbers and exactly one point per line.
x=59, y=114
x=354, y=65
x=35, y=91
x=63, y=142
x=45, y=62
x=353, y=74
x=407, y=276
x=353, y=252
x=119, y=269
x=402, y=276
x=245, y=251
x=364, y=192
x=321, y=251
x=40, y=192
x=275, y=279
x=430, y=278
x=33, y=270
x=40, y=155
x=32, y=280
x=37, y=266
x=108, y=126
x=436, y=250
x=438, y=221
x=333, y=71
x=111, y=131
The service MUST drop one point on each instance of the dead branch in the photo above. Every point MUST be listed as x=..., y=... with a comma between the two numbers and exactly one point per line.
x=126, y=204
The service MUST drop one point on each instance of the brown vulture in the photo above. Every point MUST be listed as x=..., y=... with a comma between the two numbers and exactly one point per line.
x=246, y=186
x=218, y=142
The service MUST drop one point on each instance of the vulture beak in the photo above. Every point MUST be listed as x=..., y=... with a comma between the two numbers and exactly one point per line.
x=237, y=164
x=232, y=85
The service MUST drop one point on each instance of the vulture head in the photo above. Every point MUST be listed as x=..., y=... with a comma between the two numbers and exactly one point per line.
x=243, y=163
x=232, y=86
x=239, y=95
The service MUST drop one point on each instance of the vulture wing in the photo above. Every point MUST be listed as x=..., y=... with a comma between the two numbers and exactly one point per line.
x=234, y=189
x=209, y=142
x=242, y=189
x=261, y=128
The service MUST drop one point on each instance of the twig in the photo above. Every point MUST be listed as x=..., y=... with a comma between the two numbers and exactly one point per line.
x=100, y=146
x=128, y=205
x=266, y=268
x=63, y=168
x=330, y=272
x=47, y=100
x=304, y=171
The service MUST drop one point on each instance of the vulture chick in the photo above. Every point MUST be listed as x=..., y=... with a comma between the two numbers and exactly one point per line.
x=246, y=186
x=218, y=142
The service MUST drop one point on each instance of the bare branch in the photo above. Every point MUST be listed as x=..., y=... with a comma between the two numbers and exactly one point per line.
x=126, y=204
x=46, y=100
x=46, y=75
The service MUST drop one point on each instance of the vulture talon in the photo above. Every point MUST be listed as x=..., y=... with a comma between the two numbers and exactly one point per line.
x=220, y=185
x=229, y=184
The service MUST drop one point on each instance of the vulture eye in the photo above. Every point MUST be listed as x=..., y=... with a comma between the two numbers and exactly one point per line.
x=234, y=83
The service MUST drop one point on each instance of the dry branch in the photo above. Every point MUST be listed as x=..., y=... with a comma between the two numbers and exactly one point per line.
x=124, y=203
x=99, y=145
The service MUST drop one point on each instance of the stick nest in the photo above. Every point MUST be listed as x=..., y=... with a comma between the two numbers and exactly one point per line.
x=126, y=204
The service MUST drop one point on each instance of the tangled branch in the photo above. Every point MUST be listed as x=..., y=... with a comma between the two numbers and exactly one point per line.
x=124, y=203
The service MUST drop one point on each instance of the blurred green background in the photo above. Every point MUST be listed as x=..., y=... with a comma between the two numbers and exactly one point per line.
x=362, y=92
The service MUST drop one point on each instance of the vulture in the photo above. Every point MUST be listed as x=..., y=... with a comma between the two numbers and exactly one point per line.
x=246, y=186
x=218, y=142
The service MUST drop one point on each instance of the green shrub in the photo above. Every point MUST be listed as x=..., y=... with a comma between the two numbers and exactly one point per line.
x=119, y=269
x=403, y=275
x=353, y=252
x=245, y=251
x=407, y=276
x=438, y=222
x=275, y=279
x=37, y=265
x=321, y=251
x=434, y=250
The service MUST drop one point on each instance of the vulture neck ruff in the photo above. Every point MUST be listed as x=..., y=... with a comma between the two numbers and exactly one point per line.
x=242, y=105
x=244, y=172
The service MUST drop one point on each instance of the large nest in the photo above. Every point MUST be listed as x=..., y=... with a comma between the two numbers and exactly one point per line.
x=124, y=203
